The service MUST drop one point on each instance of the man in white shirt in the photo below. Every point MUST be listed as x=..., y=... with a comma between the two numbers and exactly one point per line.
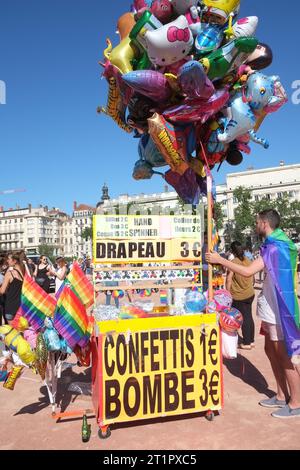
x=287, y=374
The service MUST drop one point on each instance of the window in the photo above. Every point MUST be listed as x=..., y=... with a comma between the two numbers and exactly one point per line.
x=256, y=198
x=30, y=240
x=279, y=195
x=235, y=201
x=268, y=196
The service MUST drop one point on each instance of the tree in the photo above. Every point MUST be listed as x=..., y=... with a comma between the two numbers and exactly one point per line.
x=87, y=233
x=47, y=250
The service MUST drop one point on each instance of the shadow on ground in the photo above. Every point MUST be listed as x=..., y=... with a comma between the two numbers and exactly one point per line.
x=243, y=369
x=63, y=397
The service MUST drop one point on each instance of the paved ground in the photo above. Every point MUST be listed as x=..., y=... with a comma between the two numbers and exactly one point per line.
x=26, y=422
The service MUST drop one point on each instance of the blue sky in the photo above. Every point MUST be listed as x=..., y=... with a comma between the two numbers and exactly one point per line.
x=52, y=141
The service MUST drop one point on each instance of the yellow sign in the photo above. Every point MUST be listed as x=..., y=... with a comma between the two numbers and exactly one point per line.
x=114, y=251
x=133, y=239
x=160, y=372
x=147, y=227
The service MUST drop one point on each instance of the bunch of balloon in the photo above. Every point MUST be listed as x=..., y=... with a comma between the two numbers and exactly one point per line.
x=187, y=80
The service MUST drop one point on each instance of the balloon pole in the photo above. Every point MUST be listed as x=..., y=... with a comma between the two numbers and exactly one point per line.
x=209, y=234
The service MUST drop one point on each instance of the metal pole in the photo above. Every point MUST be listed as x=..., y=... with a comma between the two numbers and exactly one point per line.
x=209, y=234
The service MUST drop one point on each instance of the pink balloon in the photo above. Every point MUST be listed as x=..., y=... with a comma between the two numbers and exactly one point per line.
x=198, y=110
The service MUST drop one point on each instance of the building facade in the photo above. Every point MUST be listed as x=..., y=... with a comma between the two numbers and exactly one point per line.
x=82, y=219
x=273, y=183
x=28, y=228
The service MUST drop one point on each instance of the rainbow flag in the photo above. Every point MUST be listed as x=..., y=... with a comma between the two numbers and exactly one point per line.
x=163, y=297
x=36, y=304
x=70, y=318
x=280, y=257
x=80, y=284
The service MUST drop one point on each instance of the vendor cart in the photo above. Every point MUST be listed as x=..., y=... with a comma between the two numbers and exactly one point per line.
x=166, y=363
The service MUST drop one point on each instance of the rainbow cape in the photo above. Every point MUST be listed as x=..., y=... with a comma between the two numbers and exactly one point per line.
x=80, y=284
x=71, y=320
x=36, y=304
x=280, y=258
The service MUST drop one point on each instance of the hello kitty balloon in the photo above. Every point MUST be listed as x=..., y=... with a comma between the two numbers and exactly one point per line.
x=170, y=43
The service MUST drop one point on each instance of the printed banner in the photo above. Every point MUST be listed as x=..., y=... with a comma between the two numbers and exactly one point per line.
x=141, y=251
x=153, y=373
x=146, y=227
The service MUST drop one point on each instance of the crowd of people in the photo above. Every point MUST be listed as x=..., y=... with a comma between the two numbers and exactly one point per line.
x=48, y=276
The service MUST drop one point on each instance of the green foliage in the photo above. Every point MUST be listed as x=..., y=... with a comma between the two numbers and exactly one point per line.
x=87, y=233
x=47, y=250
x=247, y=210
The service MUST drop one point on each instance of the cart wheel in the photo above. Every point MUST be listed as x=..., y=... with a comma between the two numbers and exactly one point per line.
x=104, y=433
x=209, y=416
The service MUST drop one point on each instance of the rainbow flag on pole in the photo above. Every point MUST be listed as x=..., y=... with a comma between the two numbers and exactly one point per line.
x=280, y=257
x=80, y=284
x=70, y=318
x=36, y=304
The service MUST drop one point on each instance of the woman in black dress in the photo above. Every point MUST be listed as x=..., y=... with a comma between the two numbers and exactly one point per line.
x=41, y=274
x=12, y=286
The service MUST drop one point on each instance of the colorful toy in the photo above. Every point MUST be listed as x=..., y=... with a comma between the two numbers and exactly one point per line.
x=41, y=355
x=181, y=80
x=195, y=302
x=231, y=320
x=223, y=299
x=218, y=63
x=260, y=93
x=14, y=341
x=12, y=377
x=209, y=39
x=149, y=83
x=51, y=336
x=145, y=24
x=170, y=43
x=218, y=11
x=194, y=82
x=125, y=24
x=245, y=27
x=260, y=58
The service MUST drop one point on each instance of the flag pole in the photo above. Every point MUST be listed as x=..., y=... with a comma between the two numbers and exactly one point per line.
x=209, y=234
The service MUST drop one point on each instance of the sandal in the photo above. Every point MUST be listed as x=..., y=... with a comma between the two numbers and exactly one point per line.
x=248, y=347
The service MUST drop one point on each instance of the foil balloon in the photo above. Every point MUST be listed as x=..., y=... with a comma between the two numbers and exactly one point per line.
x=149, y=152
x=245, y=27
x=115, y=106
x=198, y=110
x=171, y=142
x=170, y=43
x=195, y=302
x=261, y=58
x=12, y=377
x=51, y=336
x=149, y=83
x=194, y=81
x=223, y=299
x=186, y=185
x=231, y=320
x=218, y=11
x=145, y=24
x=125, y=24
x=140, y=109
x=260, y=93
x=219, y=63
x=142, y=170
x=14, y=340
x=209, y=39
x=122, y=55
x=162, y=10
x=41, y=356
